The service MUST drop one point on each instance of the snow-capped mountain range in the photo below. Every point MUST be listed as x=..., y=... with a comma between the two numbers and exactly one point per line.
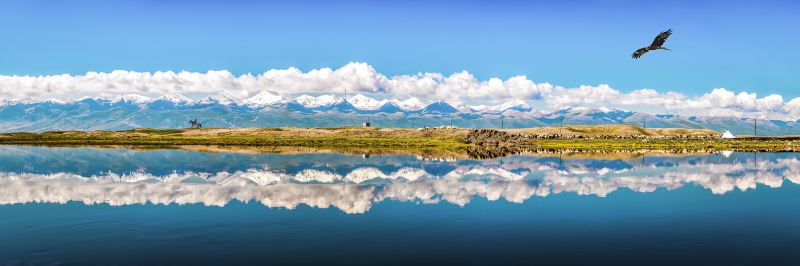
x=263, y=99
x=267, y=109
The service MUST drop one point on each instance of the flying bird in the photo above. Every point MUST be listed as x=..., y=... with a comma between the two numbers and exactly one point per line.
x=657, y=44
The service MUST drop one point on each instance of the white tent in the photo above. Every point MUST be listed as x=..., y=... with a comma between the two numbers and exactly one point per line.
x=727, y=135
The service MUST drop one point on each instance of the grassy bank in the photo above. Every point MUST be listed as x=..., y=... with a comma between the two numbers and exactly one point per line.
x=397, y=139
x=317, y=138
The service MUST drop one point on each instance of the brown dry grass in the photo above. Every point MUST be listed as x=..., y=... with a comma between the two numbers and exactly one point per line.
x=613, y=130
x=364, y=132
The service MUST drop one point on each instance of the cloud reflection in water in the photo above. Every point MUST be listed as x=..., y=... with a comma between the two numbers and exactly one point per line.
x=514, y=179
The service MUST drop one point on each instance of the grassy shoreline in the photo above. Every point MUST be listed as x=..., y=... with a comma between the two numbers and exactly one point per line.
x=73, y=139
x=395, y=139
x=327, y=138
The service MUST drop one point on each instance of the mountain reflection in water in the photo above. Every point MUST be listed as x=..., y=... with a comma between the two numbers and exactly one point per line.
x=354, y=184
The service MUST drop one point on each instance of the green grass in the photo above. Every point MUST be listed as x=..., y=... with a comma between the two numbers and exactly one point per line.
x=173, y=138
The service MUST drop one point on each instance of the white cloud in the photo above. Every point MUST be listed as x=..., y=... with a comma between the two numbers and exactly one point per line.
x=460, y=87
x=721, y=101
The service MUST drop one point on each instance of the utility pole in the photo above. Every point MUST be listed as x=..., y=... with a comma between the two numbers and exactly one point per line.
x=755, y=127
x=561, y=129
x=643, y=157
x=755, y=159
x=501, y=122
x=345, y=99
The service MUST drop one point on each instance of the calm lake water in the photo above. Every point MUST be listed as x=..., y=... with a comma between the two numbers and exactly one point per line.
x=81, y=206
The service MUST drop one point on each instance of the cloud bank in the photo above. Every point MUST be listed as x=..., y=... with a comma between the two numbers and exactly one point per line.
x=457, y=88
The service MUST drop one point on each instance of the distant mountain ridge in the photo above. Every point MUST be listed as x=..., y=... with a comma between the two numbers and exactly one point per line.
x=266, y=109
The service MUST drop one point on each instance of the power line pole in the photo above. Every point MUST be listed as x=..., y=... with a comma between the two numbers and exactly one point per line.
x=345, y=99
x=755, y=126
x=755, y=159
x=501, y=122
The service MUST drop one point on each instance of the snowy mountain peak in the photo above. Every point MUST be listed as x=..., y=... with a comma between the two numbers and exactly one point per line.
x=132, y=98
x=308, y=101
x=264, y=98
x=516, y=105
x=85, y=98
x=575, y=109
x=365, y=103
x=410, y=104
x=609, y=110
x=224, y=98
x=175, y=98
x=53, y=101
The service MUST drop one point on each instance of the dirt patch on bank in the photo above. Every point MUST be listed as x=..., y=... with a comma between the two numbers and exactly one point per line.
x=491, y=143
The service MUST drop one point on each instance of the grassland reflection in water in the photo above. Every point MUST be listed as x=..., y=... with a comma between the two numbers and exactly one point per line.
x=354, y=183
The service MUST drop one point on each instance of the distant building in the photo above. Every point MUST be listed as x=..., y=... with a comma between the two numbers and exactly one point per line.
x=366, y=124
x=727, y=135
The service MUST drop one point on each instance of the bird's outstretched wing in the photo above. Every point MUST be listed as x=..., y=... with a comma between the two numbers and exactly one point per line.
x=639, y=52
x=661, y=38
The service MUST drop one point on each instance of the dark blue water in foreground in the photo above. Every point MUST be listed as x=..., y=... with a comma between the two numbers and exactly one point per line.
x=82, y=206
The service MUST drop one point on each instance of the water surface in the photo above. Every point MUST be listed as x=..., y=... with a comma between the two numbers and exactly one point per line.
x=119, y=206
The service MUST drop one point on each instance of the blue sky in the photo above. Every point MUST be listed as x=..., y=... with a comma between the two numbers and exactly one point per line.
x=742, y=46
